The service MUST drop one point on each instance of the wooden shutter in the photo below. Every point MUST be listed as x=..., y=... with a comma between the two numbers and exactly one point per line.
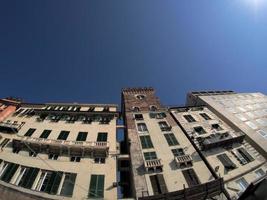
x=162, y=184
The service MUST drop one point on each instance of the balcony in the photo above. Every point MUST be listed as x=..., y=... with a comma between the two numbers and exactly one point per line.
x=202, y=191
x=183, y=160
x=166, y=128
x=220, y=140
x=153, y=165
x=10, y=127
x=63, y=147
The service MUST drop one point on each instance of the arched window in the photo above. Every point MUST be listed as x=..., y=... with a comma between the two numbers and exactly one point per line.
x=153, y=108
x=136, y=109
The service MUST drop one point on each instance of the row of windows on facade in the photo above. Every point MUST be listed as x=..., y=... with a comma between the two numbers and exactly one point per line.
x=70, y=119
x=51, y=182
x=151, y=108
x=25, y=111
x=159, y=115
x=190, y=118
x=63, y=135
x=97, y=160
x=164, y=126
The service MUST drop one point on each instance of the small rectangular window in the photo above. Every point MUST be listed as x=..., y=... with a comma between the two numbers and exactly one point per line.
x=199, y=130
x=75, y=159
x=189, y=118
x=146, y=142
x=96, y=189
x=82, y=136
x=63, y=135
x=242, y=183
x=178, y=152
x=205, y=116
x=226, y=161
x=171, y=139
x=102, y=137
x=100, y=160
x=138, y=117
x=217, y=127
x=245, y=154
x=150, y=155
x=45, y=133
x=141, y=127
x=30, y=132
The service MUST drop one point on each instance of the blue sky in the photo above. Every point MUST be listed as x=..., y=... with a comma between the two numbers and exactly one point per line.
x=86, y=51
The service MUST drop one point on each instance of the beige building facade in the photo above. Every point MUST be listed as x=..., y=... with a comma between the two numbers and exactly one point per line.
x=59, y=151
x=225, y=149
x=246, y=112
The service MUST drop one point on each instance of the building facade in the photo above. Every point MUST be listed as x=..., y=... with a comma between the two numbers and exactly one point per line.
x=164, y=163
x=59, y=151
x=225, y=149
x=244, y=111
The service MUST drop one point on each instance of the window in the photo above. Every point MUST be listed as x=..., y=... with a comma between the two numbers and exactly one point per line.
x=241, y=117
x=199, y=130
x=164, y=126
x=75, y=159
x=96, y=189
x=140, y=96
x=178, y=152
x=191, y=177
x=205, y=116
x=63, y=135
x=259, y=173
x=189, y=118
x=150, y=155
x=146, y=142
x=226, y=161
x=242, y=183
x=49, y=182
x=152, y=108
x=102, y=137
x=141, y=127
x=245, y=154
x=68, y=184
x=138, y=117
x=262, y=122
x=32, y=154
x=136, y=109
x=30, y=132
x=52, y=156
x=261, y=132
x=26, y=177
x=81, y=136
x=8, y=171
x=171, y=139
x=100, y=160
x=4, y=142
x=158, y=184
x=45, y=134
x=217, y=127
x=251, y=125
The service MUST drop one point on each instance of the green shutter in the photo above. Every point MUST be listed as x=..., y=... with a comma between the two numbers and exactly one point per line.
x=68, y=185
x=96, y=189
x=29, y=177
x=9, y=172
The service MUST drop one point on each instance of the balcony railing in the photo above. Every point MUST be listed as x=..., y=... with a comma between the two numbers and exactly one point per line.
x=64, y=147
x=201, y=191
x=153, y=164
x=10, y=127
x=220, y=140
x=183, y=160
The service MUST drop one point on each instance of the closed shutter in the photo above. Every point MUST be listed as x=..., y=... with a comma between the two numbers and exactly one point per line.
x=154, y=184
x=28, y=178
x=162, y=184
x=96, y=189
x=55, y=183
x=9, y=172
x=191, y=177
x=245, y=154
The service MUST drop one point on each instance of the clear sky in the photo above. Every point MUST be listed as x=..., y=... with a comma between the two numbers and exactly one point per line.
x=86, y=51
